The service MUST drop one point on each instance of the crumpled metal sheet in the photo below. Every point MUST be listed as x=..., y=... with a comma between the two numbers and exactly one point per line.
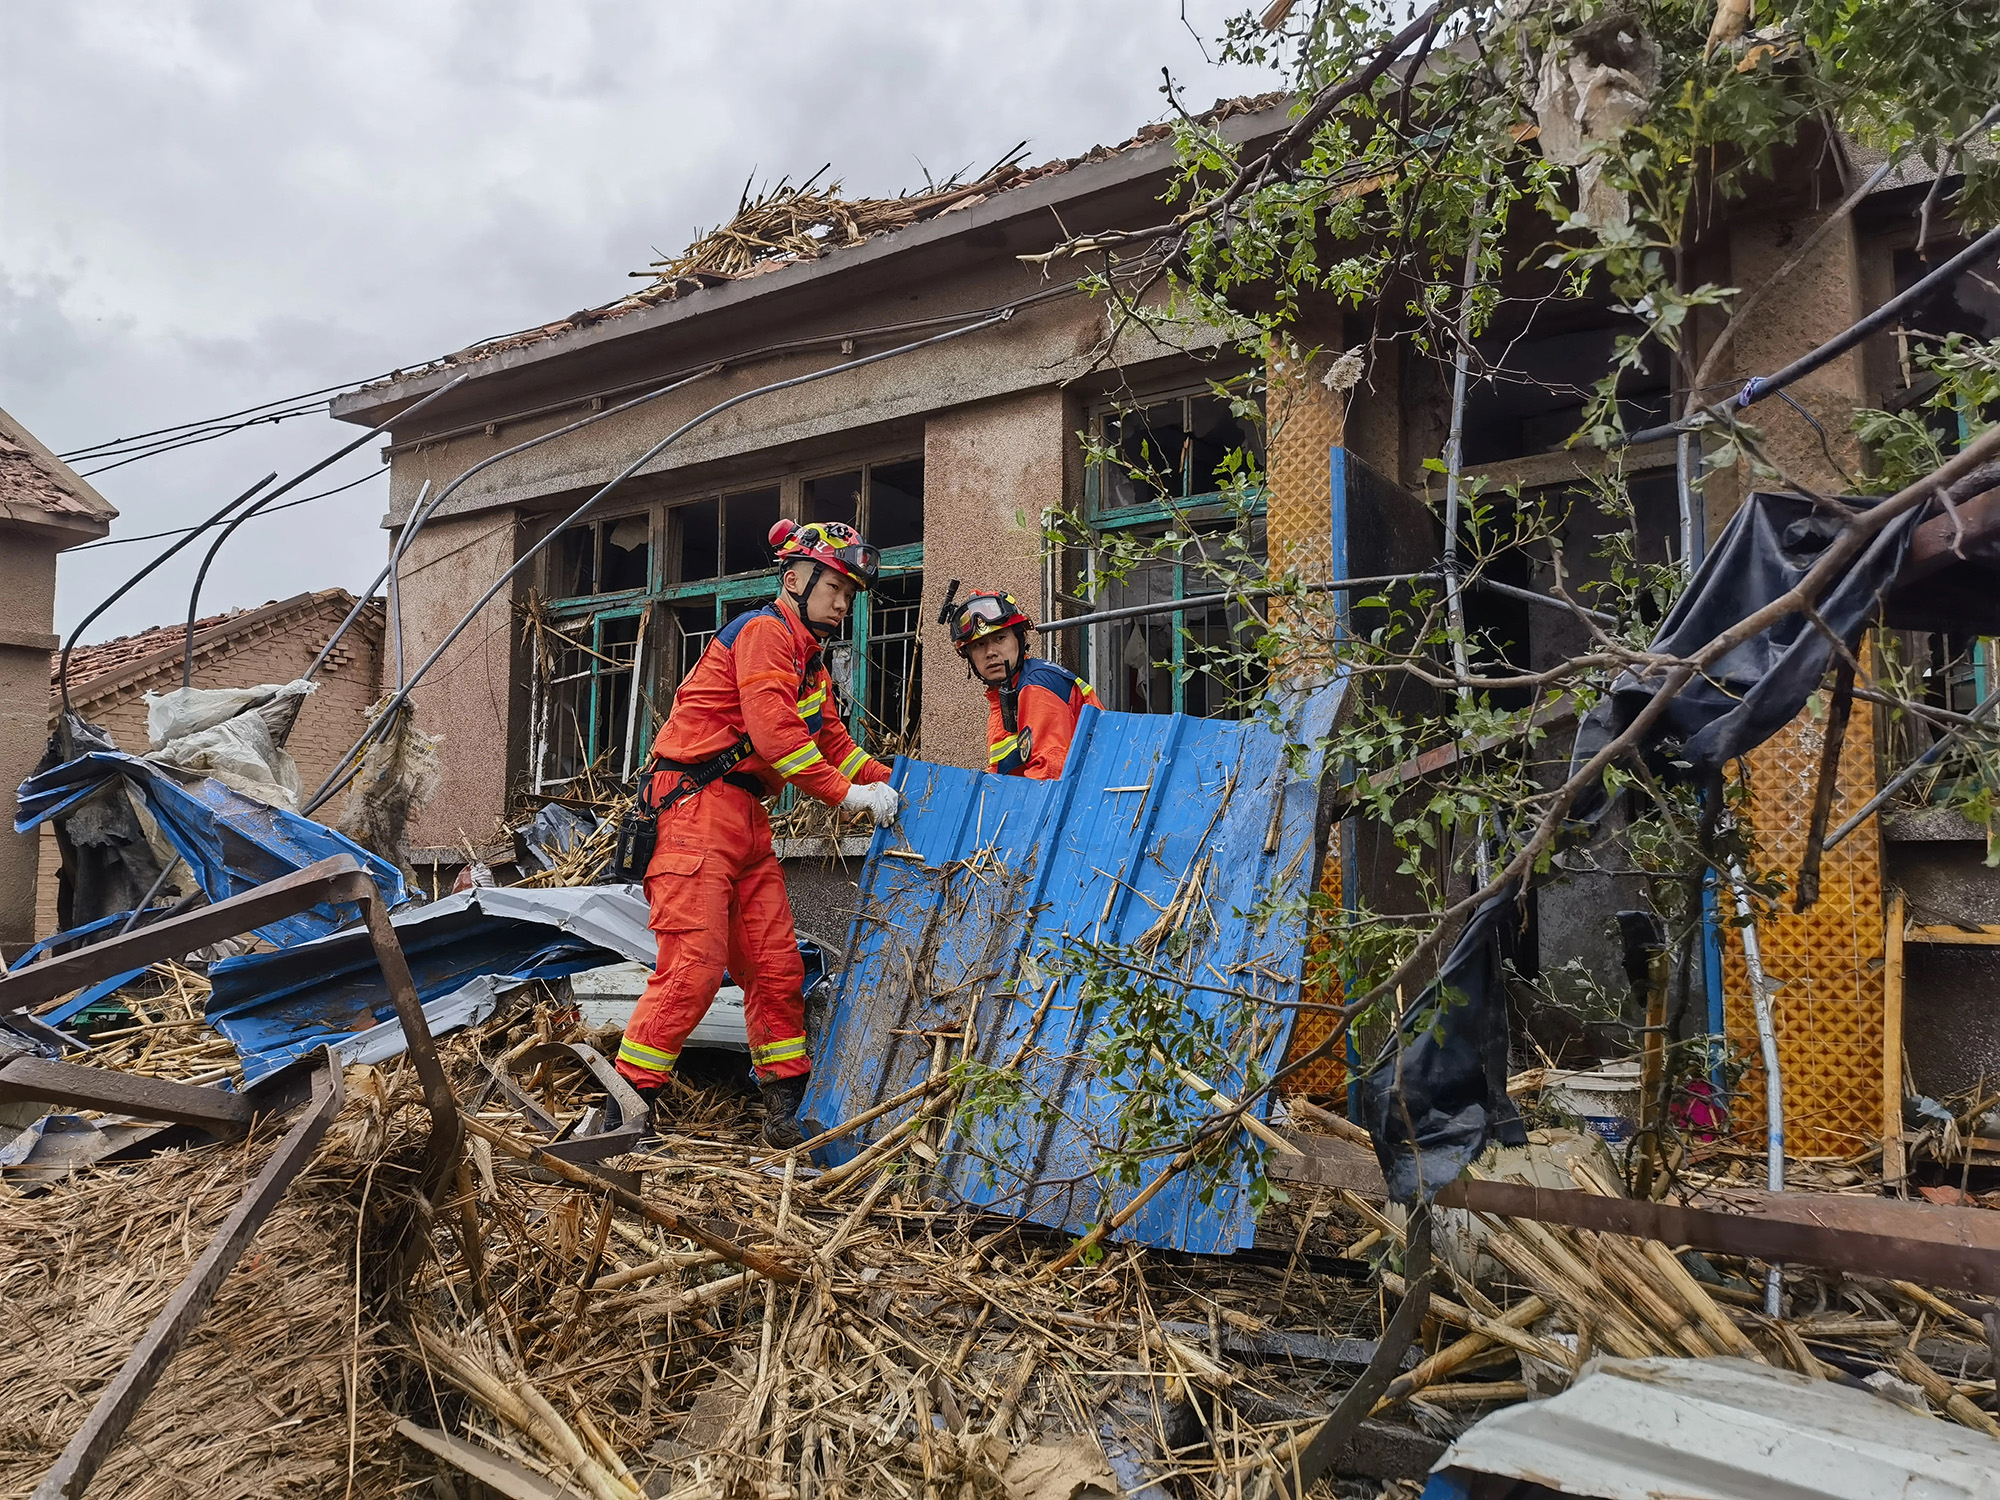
x=276, y=1006
x=1717, y=1429
x=1149, y=806
x=232, y=843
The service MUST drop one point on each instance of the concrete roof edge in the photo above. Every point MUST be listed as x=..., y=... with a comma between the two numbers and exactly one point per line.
x=368, y=404
x=229, y=632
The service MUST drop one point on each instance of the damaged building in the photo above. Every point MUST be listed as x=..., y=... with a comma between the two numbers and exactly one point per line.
x=1021, y=1250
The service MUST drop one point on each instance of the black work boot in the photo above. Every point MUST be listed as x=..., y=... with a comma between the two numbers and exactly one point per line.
x=783, y=1129
x=651, y=1096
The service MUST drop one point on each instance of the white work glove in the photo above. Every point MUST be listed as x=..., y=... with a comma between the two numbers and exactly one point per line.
x=878, y=800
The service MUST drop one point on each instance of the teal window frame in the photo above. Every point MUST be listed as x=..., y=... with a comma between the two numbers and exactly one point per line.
x=584, y=617
x=1190, y=510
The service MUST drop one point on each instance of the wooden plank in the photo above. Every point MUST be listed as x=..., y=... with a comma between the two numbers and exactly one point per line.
x=1984, y=936
x=1895, y=1160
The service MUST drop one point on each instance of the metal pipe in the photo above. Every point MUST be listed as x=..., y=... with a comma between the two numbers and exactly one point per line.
x=1903, y=777
x=401, y=695
x=62, y=667
x=1202, y=601
x=1454, y=468
x=395, y=592
x=201, y=574
x=1760, y=386
x=1767, y=1042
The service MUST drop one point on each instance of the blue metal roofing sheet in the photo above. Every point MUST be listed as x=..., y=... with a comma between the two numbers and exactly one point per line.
x=969, y=900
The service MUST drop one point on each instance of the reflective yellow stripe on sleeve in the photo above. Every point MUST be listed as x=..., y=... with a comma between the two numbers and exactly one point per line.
x=853, y=763
x=807, y=705
x=1002, y=750
x=803, y=758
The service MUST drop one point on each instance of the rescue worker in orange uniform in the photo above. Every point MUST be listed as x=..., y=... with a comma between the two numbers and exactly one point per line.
x=1032, y=705
x=755, y=715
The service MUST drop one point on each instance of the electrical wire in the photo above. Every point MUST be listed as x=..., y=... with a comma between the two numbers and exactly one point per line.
x=1760, y=386
x=201, y=574
x=154, y=536
x=388, y=715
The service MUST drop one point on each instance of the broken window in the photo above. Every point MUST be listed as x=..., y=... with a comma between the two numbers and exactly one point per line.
x=884, y=502
x=1163, y=531
x=603, y=557
x=895, y=504
x=697, y=539
x=590, y=710
x=1172, y=449
x=747, y=519
x=834, y=497
x=1197, y=660
x=604, y=677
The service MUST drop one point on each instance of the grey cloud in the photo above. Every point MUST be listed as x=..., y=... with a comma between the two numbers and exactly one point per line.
x=208, y=205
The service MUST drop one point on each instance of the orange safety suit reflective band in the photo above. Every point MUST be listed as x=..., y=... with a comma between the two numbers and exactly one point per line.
x=1048, y=703
x=715, y=890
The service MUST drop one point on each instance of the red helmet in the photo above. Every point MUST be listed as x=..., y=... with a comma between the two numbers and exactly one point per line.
x=986, y=613
x=832, y=544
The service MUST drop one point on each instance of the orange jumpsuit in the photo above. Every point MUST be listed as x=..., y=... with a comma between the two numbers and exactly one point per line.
x=1048, y=703
x=717, y=895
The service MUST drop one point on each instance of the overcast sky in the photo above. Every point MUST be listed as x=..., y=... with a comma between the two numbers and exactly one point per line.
x=207, y=206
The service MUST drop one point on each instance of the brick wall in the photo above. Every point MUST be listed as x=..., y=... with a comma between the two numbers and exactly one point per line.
x=274, y=651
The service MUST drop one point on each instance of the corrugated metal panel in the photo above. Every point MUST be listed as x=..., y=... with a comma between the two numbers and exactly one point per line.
x=984, y=870
x=1721, y=1429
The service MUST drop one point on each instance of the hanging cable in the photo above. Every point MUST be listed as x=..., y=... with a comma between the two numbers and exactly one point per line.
x=421, y=513
x=201, y=574
x=154, y=536
x=62, y=666
x=1760, y=386
x=386, y=718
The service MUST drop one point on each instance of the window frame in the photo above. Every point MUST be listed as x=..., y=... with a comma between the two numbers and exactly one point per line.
x=655, y=679
x=1191, y=511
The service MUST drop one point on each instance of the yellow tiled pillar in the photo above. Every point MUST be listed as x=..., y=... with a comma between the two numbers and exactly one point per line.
x=1303, y=422
x=1825, y=963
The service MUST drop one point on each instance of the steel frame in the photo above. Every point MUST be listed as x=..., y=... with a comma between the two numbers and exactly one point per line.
x=341, y=880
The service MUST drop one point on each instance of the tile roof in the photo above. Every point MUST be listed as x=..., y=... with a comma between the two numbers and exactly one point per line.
x=917, y=209
x=117, y=663
x=35, y=485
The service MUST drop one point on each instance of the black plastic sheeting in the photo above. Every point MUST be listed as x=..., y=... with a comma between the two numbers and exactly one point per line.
x=1439, y=1096
x=1758, y=688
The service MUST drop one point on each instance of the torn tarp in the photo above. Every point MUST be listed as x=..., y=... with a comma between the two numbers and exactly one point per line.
x=277, y=1006
x=1438, y=1097
x=231, y=843
x=1759, y=687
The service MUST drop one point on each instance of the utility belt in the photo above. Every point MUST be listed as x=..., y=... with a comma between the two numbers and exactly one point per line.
x=639, y=829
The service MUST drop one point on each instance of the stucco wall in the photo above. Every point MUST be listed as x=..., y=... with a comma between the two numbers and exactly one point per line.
x=1820, y=299
x=331, y=720
x=469, y=697
x=27, y=608
x=990, y=471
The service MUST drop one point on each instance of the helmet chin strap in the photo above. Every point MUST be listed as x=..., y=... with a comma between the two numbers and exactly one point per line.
x=799, y=601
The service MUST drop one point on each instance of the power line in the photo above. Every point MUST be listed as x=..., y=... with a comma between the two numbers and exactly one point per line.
x=153, y=536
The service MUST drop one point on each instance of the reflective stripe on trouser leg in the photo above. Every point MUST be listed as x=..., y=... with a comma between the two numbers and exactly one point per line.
x=703, y=841
x=764, y=959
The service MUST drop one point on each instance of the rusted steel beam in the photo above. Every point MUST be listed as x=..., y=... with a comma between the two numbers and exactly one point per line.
x=177, y=936
x=80, y=1460
x=1957, y=1248
x=340, y=880
x=1938, y=542
x=124, y=1093
x=1330, y=1440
